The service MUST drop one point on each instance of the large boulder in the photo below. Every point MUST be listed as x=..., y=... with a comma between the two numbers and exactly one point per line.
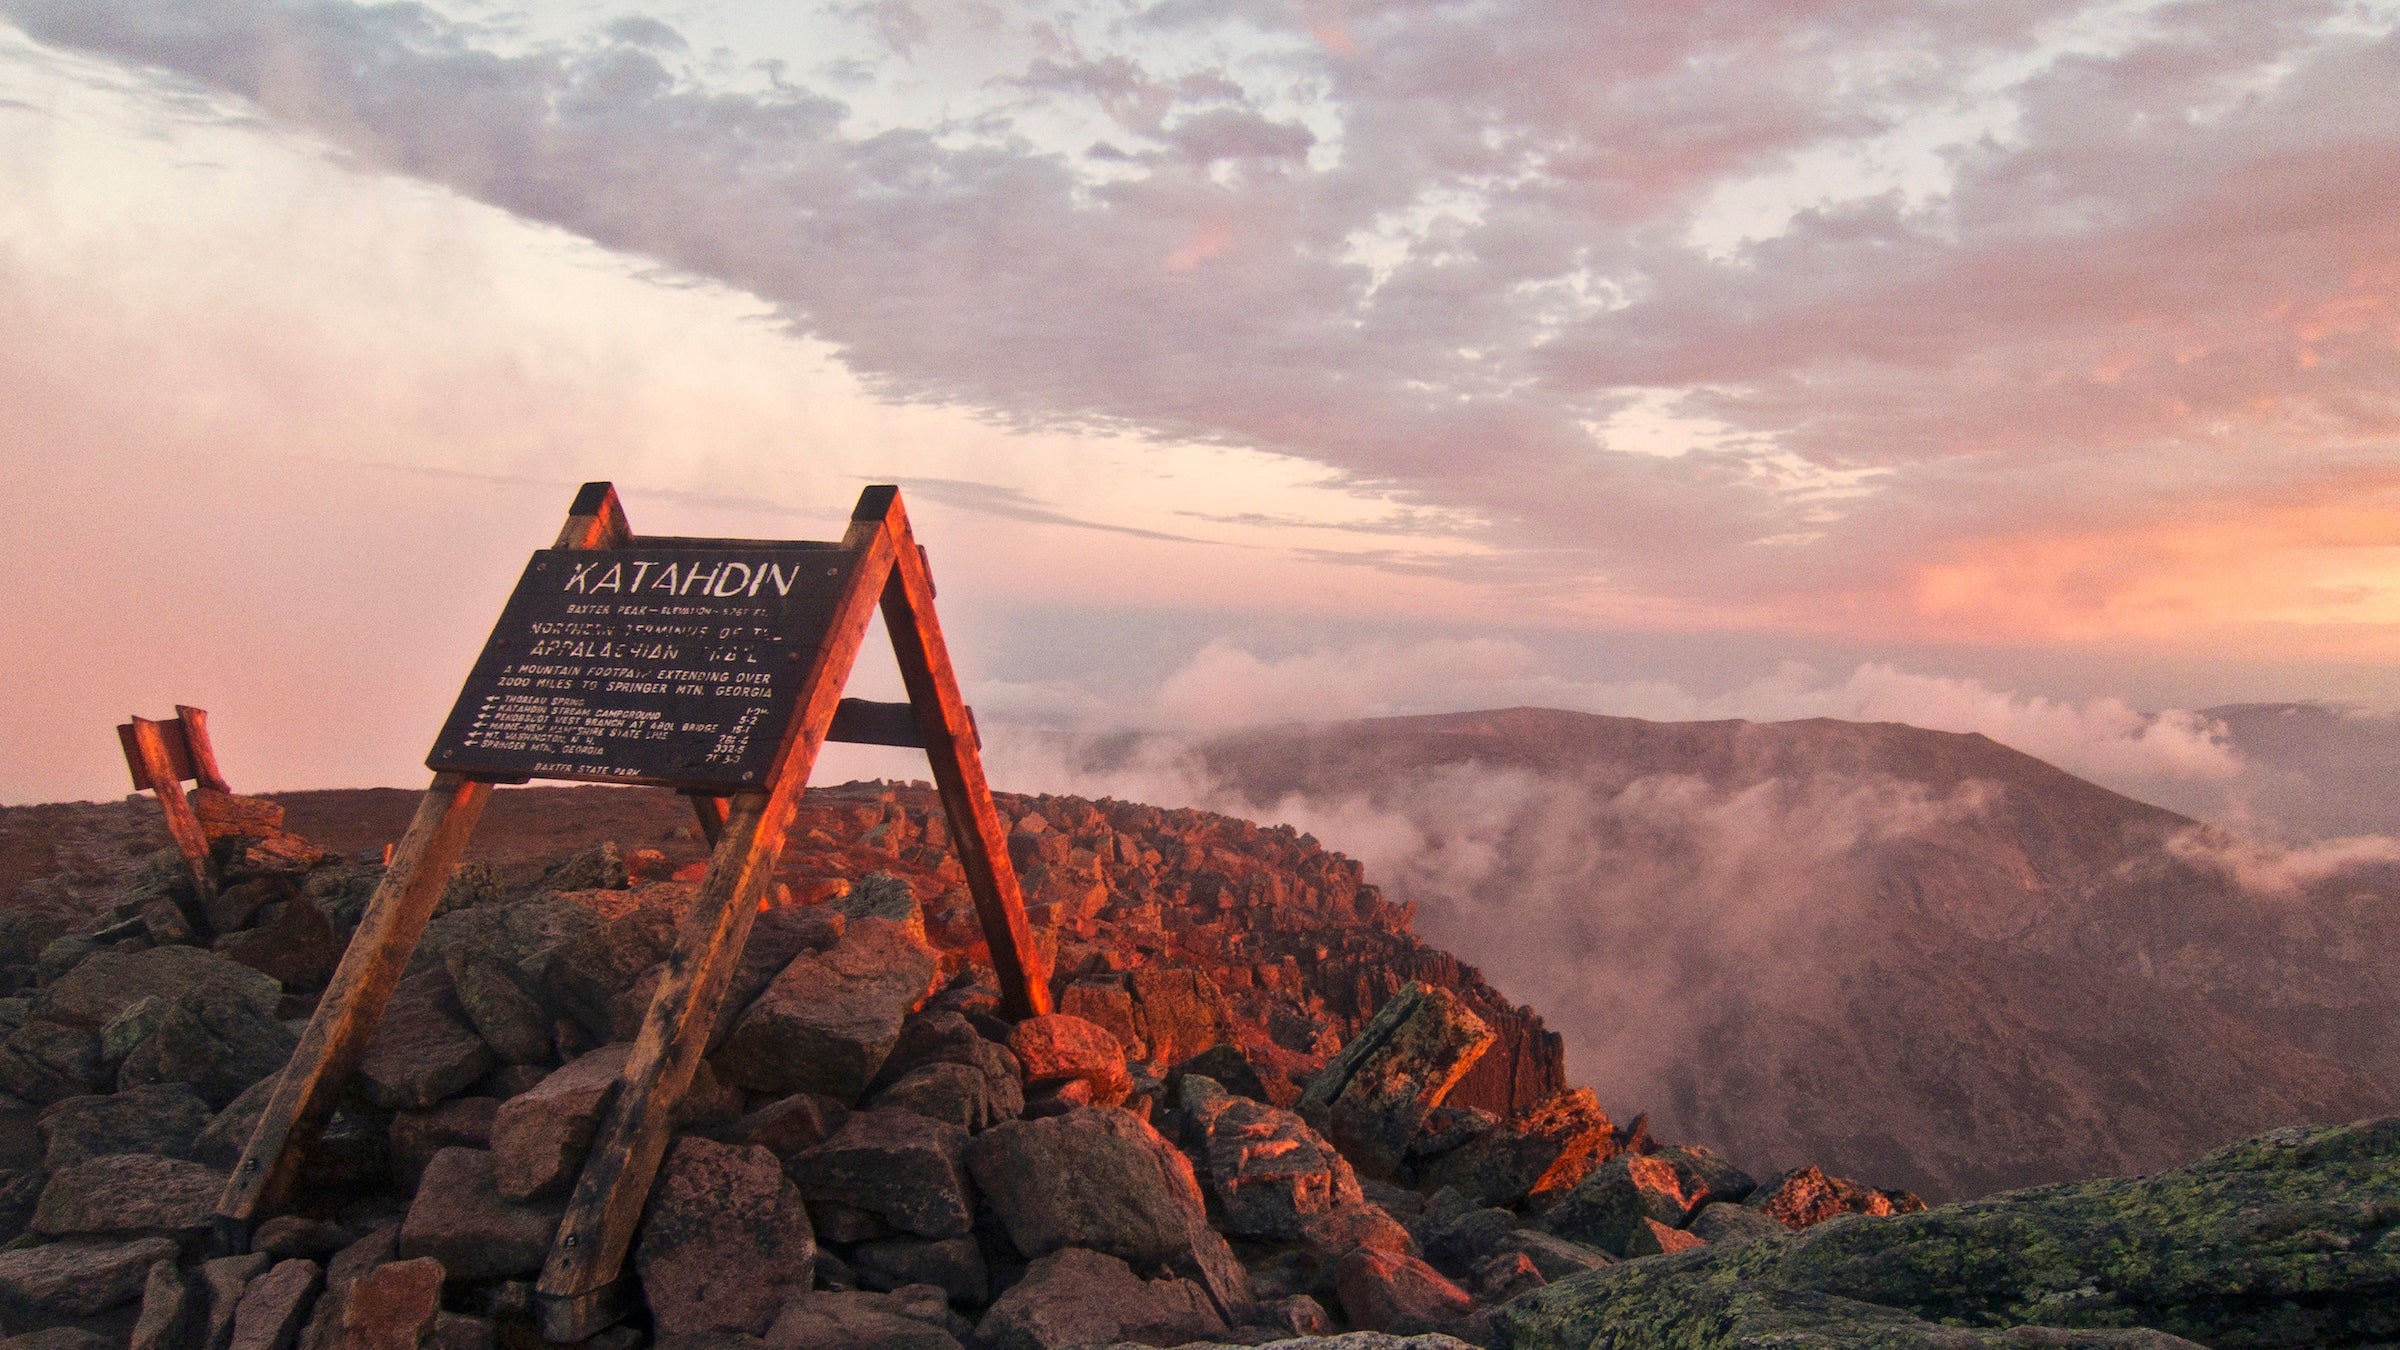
x=961, y=1094
x=539, y=1137
x=725, y=1240
x=1385, y=1291
x=1607, y=1208
x=107, y=983
x=129, y=1193
x=1373, y=1096
x=164, y=1119
x=1805, y=1196
x=1544, y=1152
x=423, y=1049
x=826, y=1023
x=905, y=1169
x=1272, y=1174
x=275, y=1305
x=460, y=1219
x=1100, y=1178
x=1076, y=1297
x=80, y=1277
x=856, y=1320
x=2281, y=1241
x=1061, y=1046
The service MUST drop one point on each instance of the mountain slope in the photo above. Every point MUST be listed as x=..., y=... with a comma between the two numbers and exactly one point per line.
x=1915, y=955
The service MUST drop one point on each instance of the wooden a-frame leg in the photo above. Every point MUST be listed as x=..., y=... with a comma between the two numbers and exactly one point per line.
x=581, y=1290
x=345, y=1019
x=158, y=774
x=951, y=745
x=712, y=811
x=203, y=754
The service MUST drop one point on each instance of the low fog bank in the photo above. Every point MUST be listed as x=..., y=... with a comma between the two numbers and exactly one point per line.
x=1715, y=954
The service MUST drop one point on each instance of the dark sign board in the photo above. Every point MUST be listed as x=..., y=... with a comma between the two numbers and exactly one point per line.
x=678, y=667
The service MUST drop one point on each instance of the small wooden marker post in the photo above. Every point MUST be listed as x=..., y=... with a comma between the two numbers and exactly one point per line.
x=619, y=659
x=161, y=755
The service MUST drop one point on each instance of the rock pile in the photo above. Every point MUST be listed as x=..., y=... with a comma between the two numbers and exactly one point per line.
x=1240, y=1150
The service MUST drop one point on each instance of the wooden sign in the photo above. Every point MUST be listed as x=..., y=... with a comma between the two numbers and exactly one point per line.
x=160, y=756
x=607, y=638
x=677, y=667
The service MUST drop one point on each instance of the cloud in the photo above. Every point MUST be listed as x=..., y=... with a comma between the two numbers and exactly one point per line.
x=1226, y=686
x=2265, y=869
x=1970, y=298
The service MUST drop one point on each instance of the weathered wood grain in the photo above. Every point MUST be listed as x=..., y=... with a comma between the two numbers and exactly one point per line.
x=577, y=1293
x=952, y=745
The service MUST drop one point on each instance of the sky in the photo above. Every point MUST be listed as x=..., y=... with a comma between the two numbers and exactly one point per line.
x=2022, y=366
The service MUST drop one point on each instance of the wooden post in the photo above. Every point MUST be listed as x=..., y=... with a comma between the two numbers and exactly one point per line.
x=353, y=1002
x=952, y=745
x=153, y=762
x=203, y=755
x=581, y=1290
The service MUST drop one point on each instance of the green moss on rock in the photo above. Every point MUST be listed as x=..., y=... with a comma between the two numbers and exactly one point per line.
x=2283, y=1240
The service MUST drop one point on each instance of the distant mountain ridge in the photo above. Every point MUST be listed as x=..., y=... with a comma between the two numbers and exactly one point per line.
x=1917, y=955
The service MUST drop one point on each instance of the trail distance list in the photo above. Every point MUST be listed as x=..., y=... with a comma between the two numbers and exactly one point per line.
x=679, y=667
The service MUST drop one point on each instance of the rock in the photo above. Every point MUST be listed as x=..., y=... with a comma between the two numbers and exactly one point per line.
x=827, y=1022
x=290, y=1235
x=128, y=1029
x=2280, y=1241
x=1382, y=1291
x=1272, y=1173
x=1721, y=1221
x=1102, y=1179
x=1652, y=1238
x=348, y=1152
x=598, y=868
x=1076, y=1297
x=1607, y=1208
x=539, y=1138
x=454, y=1331
x=1227, y=1066
x=777, y=936
x=129, y=1193
x=232, y=908
x=218, y=1041
x=225, y=1278
x=1177, y=1012
x=1504, y=1275
x=1372, y=1097
x=1470, y=1239
x=164, y=1119
x=1332, y=1235
x=57, y=1338
x=880, y=895
x=460, y=1219
x=953, y=1265
x=509, y=1020
x=423, y=1050
x=903, y=1168
x=298, y=949
x=274, y=854
x=725, y=1241
x=170, y=1310
x=50, y=1061
x=274, y=1306
x=958, y=1093
x=103, y=986
x=79, y=1277
x=1298, y=1315
x=391, y=1307
x=1554, y=1256
x=849, y=1320
x=1546, y=1151
x=461, y=1122
x=789, y=1126
x=1059, y=1045
x=1806, y=1195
